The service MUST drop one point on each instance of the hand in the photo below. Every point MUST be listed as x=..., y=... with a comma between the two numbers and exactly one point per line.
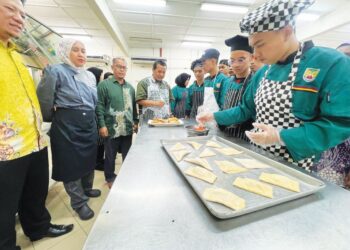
x=204, y=117
x=103, y=132
x=159, y=104
x=135, y=128
x=268, y=136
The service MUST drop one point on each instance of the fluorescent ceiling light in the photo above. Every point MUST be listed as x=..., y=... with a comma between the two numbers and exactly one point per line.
x=77, y=37
x=195, y=44
x=307, y=17
x=160, y=3
x=224, y=8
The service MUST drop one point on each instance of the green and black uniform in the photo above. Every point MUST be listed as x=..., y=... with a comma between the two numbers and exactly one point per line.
x=319, y=97
x=216, y=82
x=195, y=99
x=178, y=106
x=233, y=91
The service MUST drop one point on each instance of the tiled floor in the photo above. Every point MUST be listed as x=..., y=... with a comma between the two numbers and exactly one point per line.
x=61, y=212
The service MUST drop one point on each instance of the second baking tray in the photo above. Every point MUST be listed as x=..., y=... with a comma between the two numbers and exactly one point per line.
x=254, y=202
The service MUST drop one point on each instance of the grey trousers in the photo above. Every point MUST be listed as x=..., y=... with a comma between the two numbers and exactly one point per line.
x=76, y=190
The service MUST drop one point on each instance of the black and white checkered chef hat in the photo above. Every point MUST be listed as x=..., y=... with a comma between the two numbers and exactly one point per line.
x=273, y=15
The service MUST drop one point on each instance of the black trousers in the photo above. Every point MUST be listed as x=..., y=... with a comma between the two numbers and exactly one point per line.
x=112, y=145
x=76, y=190
x=23, y=188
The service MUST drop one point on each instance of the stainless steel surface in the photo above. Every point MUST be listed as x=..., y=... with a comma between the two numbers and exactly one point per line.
x=152, y=207
x=254, y=202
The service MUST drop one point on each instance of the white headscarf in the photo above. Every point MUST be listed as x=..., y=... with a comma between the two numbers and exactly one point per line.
x=63, y=52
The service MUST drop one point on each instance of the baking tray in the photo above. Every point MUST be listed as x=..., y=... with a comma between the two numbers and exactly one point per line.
x=254, y=202
x=181, y=123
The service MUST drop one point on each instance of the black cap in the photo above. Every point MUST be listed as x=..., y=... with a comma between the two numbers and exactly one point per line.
x=209, y=54
x=239, y=43
x=343, y=45
x=181, y=79
x=196, y=63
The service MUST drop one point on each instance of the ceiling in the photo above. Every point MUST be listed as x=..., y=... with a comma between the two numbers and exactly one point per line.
x=138, y=26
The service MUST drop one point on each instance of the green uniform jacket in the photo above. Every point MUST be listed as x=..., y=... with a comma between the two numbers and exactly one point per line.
x=323, y=103
x=217, y=83
x=116, y=107
x=231, y=84
x=193, y=88
x=177, y=94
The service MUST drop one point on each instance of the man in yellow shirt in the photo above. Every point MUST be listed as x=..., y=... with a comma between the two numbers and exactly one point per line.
x=23, y=149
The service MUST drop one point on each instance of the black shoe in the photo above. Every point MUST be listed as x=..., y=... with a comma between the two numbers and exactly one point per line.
x=55, y=231
x=85, y=212
x=93, y=193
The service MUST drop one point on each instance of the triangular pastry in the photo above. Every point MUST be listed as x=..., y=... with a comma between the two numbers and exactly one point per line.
x=229, y=167
x=201, y=173
x=200, y=162
x=254, y=186
x=224, y=197
x=207, y=153
x=281, y=181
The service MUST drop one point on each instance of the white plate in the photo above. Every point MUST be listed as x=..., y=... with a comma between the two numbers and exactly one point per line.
x=181, y=123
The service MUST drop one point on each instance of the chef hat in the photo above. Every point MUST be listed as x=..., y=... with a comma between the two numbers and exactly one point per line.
x=239, y=43
x=273, y=15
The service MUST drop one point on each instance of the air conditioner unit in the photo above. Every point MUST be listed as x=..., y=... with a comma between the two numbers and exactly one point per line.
x=146, y=60
x=104, y=59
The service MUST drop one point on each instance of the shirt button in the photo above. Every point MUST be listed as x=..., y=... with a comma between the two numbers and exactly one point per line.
x=84, y=113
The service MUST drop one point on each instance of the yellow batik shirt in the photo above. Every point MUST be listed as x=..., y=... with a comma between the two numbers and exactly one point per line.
x=20, y=115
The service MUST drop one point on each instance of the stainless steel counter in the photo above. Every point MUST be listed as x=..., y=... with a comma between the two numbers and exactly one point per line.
x=151, y=206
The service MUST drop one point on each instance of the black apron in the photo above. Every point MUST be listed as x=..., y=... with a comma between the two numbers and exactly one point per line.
x=232, y=99
x=197, y=100
x=73, y=137
x=180, y=106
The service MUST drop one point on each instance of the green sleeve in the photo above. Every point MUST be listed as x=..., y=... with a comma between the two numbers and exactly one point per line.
x=244, y=111
x=332, y=125
x=101, y=104
x=141, y=91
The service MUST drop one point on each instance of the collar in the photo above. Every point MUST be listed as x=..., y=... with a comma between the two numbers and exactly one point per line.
x=11, y=46
x=307, y=45
x=198, y=84
x=156, y=81
x=116, y=81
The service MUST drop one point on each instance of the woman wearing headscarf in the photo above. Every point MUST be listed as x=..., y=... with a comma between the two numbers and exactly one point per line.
x=100, y=148
x=178, y=106
x=195, y=95
x=67, y=95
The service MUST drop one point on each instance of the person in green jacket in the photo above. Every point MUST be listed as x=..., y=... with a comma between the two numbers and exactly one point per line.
x=117, y=116
x=195, y=95
x=224, y=67
x=178, y=106
x=300, y=103
x=215, y=79
x=233, y=90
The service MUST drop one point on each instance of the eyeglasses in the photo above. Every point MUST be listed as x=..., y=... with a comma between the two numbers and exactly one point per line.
x=238, y=61
x=121, y=67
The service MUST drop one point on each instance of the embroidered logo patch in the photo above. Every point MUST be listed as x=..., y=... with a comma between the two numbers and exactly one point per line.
x=310, y=74
x=218, y=85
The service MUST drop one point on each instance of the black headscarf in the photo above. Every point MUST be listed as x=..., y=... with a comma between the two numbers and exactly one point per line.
x=97, y=73
x=106, y=75
x=181, y=79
